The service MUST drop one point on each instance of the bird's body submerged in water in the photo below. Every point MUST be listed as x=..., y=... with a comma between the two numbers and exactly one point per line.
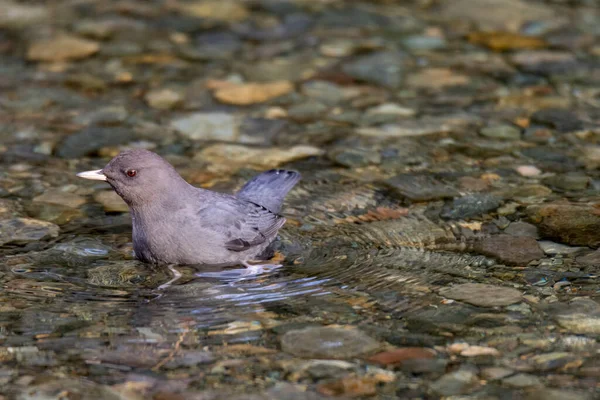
x=177, y=223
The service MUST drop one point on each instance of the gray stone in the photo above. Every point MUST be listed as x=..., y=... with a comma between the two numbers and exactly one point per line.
x=552, y=248
x=208, y=126
x=522, y=229
x=456, y=383
x=570, y=223
x=328, y=342
x=323, y=92
x=381, y=68
x=471, y=205
x=92, y=139
x=510, y=249
x=482, y=295
x=505, y=132
x=26, y=230
x=421, y=187
x=569, y=181
x=522, y=381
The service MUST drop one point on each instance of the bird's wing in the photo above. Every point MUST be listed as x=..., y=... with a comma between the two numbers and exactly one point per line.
x=269, y=188
x=244, y=224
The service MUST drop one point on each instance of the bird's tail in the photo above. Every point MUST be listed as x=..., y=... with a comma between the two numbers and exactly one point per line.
x=269, y=188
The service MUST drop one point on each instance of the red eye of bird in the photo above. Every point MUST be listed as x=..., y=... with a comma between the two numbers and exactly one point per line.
x=131, y=173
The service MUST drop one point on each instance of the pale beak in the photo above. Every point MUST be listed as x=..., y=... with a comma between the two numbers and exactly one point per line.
x=95, y=175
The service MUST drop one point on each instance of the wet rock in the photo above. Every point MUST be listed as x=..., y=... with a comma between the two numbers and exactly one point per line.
x=399, y=356
x=54, y=196
x=574, y=224
x=323, y=92
x=424, y=43
x=560, y=119
x=420, y=127
x=354, y=386
x=569, y=181
x=355, y=158
x=528, y=170
x=469, y=206
x=252, y=93
x=580, y=316
x=235, y=156
x=522, y=381
x=522, y=229
x=552, y=249
x=421, y=187
x=18, y=15
x=483, y=295
x=323, y=369
x=111, y=201
x=551, y=361
x=436, y=78
x=590, y=260
x=590, y=157
x=260, y=130
x=164, y=99
x=510, y=249
x=56, y=213
x=190, y=358
x=508, y=14
x=291, y=69
x=26, y=230
x=495, y=373
x=91, y=139
x=504, y=132
x=99, y=30
x=62, y=48
x=381, y=68
x=208, y=126
x=451, y=317
x=456, y=383
x=227, y=11
x=328, y=342
x=220, y=45
x=387, y=112
x=544, y=61
x=308, y=111
x=503, y=41
x=557, y=394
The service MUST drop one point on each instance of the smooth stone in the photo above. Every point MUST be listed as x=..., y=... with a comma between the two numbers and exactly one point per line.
x=252, y=93
x=510, y=249
x=504, y=132
x=260, y=130
x=83, y=248
x=62, y=48
x=190, y=358
x=496, y=373
x=391, y=109
x=233, y=156
x=26, y=230
x=456, y=383
x=522, y=381
x=557, y=394
x=417, y=127
x=18, y=15
x=399, y=356
x=220, y=45
x=522, y=229
x=551, y=361
x=111, y=201
x=56, y=213
x=436, y=79
x=307, y=111
x=55, y=196
x=324, y=92
x=355, y=158
x=568, y=181
x=422, y=42
x=328, y=342
x=560, y=119
x=589, y=260
x=580, y=316
x=552, y=248
x=469, y=206
x=92, y=139
x=421, y=187
x=380, y=68
x=208, y=126
x=290, y=69
x=570, y=223
x=164, y=99
x=482, y=295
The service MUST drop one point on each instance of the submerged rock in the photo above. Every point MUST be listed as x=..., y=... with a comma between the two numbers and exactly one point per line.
x=26, y=230
x=328, y=342
x=483, y=295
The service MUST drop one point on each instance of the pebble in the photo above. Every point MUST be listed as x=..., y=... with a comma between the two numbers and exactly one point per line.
x=237, y=156
x=471, y=205
x=436, y=78
x=512, y=250
x=164, y=99
x=456, y=383
x=208, y=126
x=570, y=223
x=91, y=139
x=561, y=120
x=522, y=381
x=495, y=373
x=482, y=295
x=111, y=201
x=17, y=15
x=62, y=48
x=552, y=248
x=399, y=356
x=323, y=92
x=580, y=316
x=528, y=170
x=252, y=93
x=421, y=187
x=60, y=197
x=504, y=132
x=222, y=10
x=522, y=229
x=25, y=230
x=381, y=68
x=569, y=181
x=589, y=260
x=328, y=342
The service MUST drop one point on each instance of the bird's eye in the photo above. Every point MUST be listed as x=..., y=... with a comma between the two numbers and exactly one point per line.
x=131, y=173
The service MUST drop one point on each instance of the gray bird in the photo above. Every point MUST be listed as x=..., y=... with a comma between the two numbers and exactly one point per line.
x=177, y=223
